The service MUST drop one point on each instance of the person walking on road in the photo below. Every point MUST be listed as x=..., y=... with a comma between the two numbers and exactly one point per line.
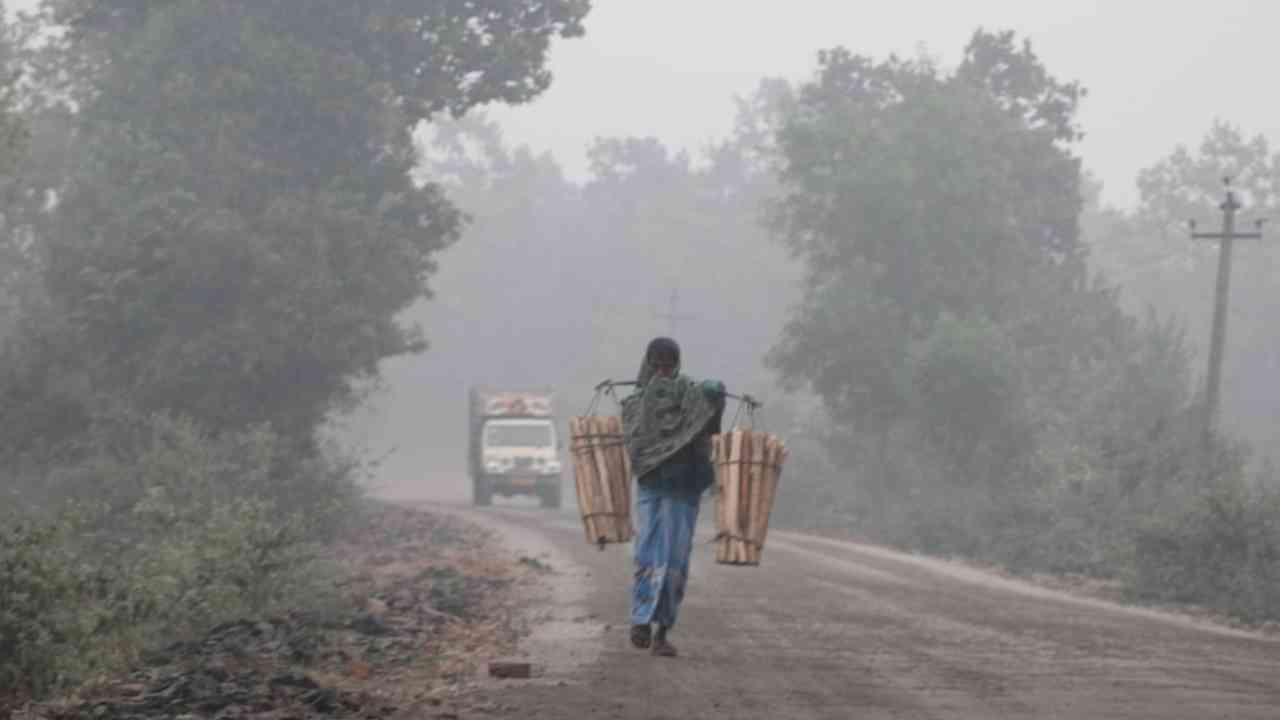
x=667, y=426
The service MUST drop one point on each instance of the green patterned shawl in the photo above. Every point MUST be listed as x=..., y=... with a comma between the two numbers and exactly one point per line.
x=664, y=415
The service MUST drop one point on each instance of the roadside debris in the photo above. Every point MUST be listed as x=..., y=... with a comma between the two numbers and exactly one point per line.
x=508, y=669
x=424, y=599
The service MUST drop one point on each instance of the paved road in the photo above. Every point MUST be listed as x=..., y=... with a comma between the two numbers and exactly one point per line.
x=826, y=629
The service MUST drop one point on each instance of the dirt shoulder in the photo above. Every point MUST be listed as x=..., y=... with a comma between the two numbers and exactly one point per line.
x=422, y=602
x=1112, y=590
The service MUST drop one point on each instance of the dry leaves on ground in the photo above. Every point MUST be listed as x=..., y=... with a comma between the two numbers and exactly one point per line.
x=425, y=600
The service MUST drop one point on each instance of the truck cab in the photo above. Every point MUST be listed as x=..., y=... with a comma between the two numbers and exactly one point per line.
x=528, y=446
x=515, y=446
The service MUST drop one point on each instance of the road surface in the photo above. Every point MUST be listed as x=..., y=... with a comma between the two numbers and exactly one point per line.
x=826, y=629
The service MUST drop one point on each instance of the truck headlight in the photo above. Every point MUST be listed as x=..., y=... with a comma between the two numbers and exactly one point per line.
x=551, y=468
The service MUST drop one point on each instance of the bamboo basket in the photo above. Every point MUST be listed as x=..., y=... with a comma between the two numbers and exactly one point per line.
x=602, y=472
x=748, y=467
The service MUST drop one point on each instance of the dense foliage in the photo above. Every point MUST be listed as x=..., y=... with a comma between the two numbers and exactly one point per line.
x=989, y=394
x=209, y=239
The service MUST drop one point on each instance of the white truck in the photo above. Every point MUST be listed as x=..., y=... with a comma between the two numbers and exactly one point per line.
x=514, y=445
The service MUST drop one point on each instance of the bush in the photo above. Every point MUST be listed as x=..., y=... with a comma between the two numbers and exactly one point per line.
x=177, y=530
x=38, y=623
x=1220, y=550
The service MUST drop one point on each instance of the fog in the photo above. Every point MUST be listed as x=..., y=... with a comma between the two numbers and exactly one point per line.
x=561, y=284
x=254, y=256
x=564, y=318
x=1153, y=83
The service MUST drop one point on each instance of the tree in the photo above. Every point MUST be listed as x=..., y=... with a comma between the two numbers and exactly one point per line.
x=910, y=193
x=949, y=323
x=1150, y=253
x=242, y=230
x=562, y=283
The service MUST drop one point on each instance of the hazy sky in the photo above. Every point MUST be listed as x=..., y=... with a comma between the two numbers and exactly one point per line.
x=1158, y=72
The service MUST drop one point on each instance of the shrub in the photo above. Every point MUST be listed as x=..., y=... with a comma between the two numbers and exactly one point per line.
x=1221, y=550
x=176, y=530
x=38, y=623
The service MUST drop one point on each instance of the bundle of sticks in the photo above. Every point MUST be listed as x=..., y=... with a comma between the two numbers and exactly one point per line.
x=748, y=466
x=603, y=474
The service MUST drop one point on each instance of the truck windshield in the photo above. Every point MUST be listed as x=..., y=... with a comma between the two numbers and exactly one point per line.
x=522, y=435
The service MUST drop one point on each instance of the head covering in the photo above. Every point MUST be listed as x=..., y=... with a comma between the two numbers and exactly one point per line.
x=665, y=414
x=657, y=346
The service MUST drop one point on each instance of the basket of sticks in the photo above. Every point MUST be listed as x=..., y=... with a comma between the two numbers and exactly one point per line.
x=748, y=467
x=602, y=472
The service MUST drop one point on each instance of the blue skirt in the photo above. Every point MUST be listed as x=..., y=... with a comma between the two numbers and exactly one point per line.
x=667, y=516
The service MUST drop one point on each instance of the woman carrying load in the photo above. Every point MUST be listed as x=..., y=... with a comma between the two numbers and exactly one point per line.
x=667, y=425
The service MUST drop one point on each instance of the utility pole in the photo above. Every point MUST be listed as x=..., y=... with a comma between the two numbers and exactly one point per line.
x=1222, y=293
x=673, y=316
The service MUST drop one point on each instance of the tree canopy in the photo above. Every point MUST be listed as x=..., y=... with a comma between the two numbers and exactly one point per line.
x=912, y=193
x=949, y=322
x=241, y=227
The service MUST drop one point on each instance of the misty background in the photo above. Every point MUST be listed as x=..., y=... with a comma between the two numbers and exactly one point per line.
x=566, y=271
x=252, y=258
